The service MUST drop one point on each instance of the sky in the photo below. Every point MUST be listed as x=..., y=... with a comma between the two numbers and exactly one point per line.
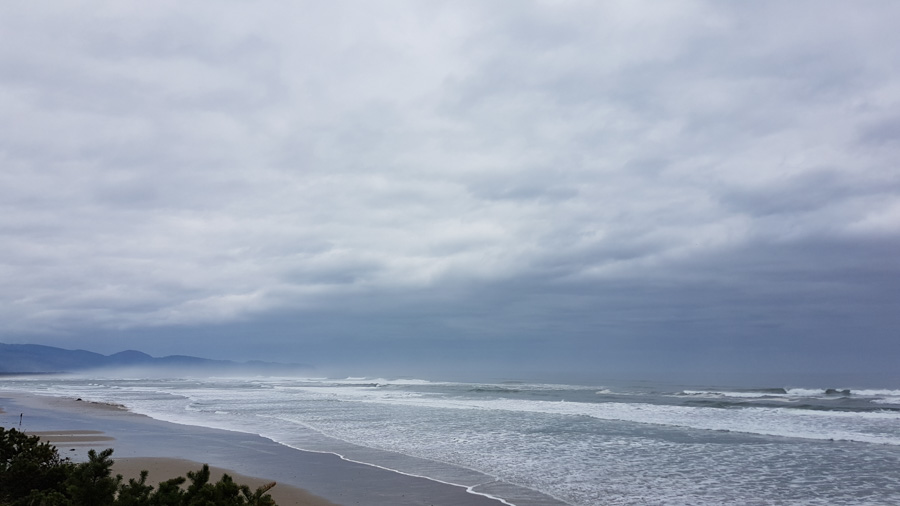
x=422, y=187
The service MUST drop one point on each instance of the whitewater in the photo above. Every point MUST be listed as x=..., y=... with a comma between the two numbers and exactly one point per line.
x=533, y=444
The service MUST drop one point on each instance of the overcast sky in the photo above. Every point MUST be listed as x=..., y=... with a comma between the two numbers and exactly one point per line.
x=591, y=186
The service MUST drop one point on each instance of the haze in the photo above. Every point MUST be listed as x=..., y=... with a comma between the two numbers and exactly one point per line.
x=426, y=187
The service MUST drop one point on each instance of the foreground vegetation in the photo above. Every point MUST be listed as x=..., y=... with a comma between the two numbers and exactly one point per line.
x=33, y=474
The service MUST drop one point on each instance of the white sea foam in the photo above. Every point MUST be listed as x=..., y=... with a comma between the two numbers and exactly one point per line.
x=805, y=392
x=714, y=394
x=752, y=394
x=876, y=393
x=849, y=426
x=585, y=451
x=824, y=425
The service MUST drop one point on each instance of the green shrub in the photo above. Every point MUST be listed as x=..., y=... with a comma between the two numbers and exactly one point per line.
x=32, y=474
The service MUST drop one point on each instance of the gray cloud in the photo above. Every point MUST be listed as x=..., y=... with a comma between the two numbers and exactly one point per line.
x=571, y=177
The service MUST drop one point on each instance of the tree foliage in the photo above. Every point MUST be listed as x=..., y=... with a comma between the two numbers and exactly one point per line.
x=27, y=464
x=33, y=474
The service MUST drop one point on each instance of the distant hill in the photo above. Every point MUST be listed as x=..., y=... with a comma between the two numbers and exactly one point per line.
x=36, y=358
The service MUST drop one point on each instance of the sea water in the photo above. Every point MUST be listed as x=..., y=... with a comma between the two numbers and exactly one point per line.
x=556, y=444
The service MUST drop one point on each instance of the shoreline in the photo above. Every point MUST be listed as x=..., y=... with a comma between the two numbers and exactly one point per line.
x=160, y=469
x=163, y=468
x=141, y=440
x=73, y=444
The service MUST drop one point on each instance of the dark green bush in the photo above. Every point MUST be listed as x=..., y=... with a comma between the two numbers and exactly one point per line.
x=27, y=464
x=32, y=474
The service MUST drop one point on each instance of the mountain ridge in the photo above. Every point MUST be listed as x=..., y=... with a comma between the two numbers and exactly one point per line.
x=43, y=359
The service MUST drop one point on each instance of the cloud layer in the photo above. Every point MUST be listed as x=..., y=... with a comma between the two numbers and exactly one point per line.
x=556, y=172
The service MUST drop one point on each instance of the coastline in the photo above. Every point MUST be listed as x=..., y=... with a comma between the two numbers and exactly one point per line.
x=160, y=469
x=141, y=442
x=74, y=444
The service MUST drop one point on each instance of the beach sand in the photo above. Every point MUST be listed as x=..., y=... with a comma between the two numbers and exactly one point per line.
x=75, y=444
x=168, y=450
x=160, y=469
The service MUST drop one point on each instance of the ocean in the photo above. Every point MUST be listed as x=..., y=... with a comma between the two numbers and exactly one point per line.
x=539, y=444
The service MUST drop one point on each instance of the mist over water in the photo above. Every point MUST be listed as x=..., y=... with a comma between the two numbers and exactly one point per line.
x=536, y=443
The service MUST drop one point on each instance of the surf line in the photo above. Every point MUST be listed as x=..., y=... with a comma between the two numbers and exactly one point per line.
x=469, y=489
x=167, y=419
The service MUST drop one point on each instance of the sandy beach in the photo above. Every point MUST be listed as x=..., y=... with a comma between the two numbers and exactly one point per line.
x=160, y=469
x=75, y=444
x=168, y=450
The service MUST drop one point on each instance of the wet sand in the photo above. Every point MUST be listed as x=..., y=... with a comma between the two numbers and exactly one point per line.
x=168, y=450
x=161, y=469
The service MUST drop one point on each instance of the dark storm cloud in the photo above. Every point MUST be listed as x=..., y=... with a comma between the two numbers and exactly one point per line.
x=581, y=180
